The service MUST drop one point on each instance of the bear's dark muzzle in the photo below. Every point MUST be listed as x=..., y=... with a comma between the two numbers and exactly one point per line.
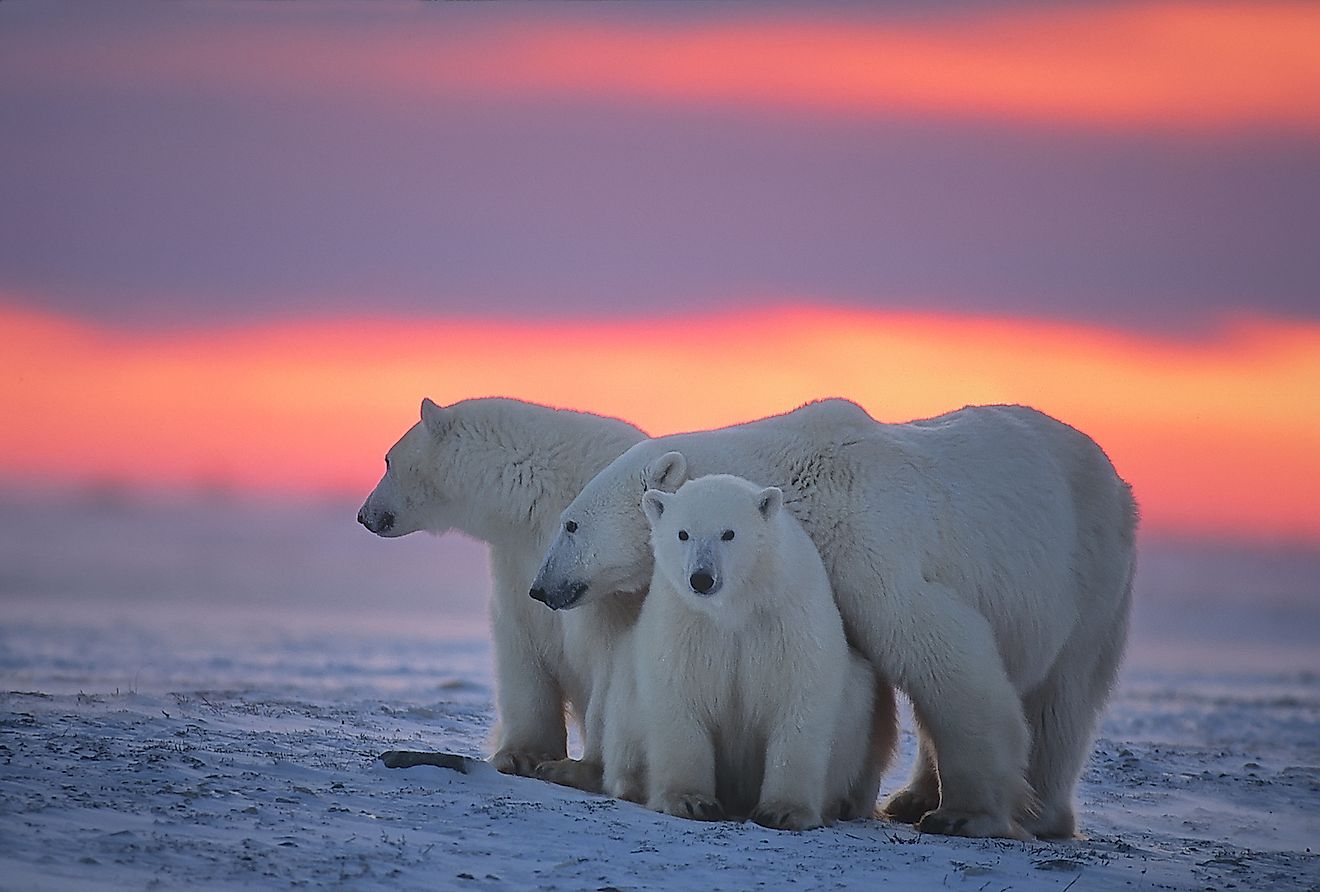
x=383, y=524
x=561, y=598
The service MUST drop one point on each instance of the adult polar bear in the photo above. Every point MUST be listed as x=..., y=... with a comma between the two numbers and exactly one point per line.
x=981, y=560
x=501, y=470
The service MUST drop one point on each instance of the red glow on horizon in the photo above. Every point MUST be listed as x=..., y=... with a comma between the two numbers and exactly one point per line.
x=1162, y=66
x=1218, y=436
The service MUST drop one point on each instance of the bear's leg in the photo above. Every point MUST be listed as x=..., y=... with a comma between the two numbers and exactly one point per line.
x=797, y=758
x=528, y=701
x=586, y=773
x=681, y=765
x=624, y=744
x=943, y=653
x=922, y=793
x=625, y=769
x=1063, y=713
x=883, y=737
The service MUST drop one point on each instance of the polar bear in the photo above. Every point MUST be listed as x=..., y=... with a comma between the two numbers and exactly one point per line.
x=501, y=470
x=745, y=697
x=981, y=560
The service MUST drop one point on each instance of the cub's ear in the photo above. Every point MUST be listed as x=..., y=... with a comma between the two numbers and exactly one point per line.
x=654, y=503
x=769, y=501
x=436, y=419
x=668, y=472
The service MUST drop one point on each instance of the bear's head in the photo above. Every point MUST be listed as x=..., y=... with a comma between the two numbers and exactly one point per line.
x=414, y=493
x=602, y=547
x=708, y=538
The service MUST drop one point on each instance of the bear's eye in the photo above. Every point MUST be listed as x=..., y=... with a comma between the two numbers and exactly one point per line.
x=387, y=462
x=728, y=536
x=570, y=526
x=682, y=535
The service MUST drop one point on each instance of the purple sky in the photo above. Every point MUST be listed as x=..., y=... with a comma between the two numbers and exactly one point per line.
x=145, y=199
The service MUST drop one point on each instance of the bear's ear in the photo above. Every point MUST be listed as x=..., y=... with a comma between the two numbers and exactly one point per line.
x=436, y=418
x=668, y=472
x=769, y=501
x=654, y=503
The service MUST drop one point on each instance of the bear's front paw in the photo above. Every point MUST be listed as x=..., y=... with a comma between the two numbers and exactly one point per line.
x=909, y=806
x=520, y=762
x=582, y=775
x=787, y=816
x=954, y=823
x=696, y=806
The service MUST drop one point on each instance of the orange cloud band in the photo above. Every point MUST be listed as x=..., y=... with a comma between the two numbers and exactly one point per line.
x=1162, y=65
x=1220, y=436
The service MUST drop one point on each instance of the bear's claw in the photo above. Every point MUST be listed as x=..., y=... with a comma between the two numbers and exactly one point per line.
x=520, y=762
x=691, y=805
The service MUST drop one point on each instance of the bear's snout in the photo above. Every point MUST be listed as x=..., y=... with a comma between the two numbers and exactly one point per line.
x=384, y=521
x=702, y=582
x=562, y=598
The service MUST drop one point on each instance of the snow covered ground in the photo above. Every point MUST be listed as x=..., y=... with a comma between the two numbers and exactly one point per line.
x=196, y=695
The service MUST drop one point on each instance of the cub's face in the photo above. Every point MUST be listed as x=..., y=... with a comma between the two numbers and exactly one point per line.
x=411, y=495
x=708, y=537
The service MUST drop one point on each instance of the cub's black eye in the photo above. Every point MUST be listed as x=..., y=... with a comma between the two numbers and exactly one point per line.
x=682, y=535
x=728, y=535
x=387, y=462
x=570, y=526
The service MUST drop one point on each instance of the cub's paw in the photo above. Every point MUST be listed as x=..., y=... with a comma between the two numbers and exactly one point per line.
x=572, y=773
x=787, y=816
x=688, y=805
x=520, y=762
x=978, y=824
x=908, y=806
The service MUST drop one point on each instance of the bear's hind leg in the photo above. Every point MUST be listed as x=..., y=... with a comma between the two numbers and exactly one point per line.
x=881, y=742
x=922, y=793
x=951, y=668
x=1062, y=714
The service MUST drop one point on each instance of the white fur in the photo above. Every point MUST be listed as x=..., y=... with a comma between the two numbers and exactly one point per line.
x=501, y=470
x=742, y=699
x=981, y=560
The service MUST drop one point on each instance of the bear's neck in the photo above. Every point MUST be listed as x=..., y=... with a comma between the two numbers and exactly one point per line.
x=526, y=478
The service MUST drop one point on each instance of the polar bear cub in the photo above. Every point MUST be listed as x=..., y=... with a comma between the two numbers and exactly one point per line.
x=749, y=701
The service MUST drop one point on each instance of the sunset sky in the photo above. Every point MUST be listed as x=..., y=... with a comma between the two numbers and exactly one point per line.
x=239, y=242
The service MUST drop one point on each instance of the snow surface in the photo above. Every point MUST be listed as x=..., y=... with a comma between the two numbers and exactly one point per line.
x=198, y=693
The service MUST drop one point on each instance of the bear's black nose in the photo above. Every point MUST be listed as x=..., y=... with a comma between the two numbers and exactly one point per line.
x=701, y=582
x=538, y=594
x=362, y=518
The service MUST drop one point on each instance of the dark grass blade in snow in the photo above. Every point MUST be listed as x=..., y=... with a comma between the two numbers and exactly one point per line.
x=410, y=758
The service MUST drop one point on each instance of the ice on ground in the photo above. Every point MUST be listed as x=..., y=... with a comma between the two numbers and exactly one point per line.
x=197, y=696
